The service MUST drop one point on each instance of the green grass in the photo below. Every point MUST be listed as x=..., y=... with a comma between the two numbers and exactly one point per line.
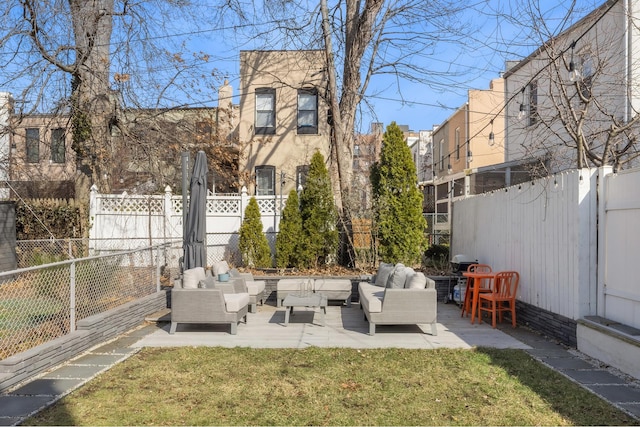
x=242, y=386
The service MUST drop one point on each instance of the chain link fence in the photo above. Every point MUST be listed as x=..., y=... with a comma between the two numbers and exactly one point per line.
x=39, y=304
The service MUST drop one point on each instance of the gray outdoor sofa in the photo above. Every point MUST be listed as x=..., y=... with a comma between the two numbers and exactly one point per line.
x=398, y=295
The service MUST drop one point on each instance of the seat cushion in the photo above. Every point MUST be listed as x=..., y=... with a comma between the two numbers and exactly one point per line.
x=289, y=284
x=255, y=286
x=332, y=285
x=371, y=297
x=193, y=276
x=236, y=302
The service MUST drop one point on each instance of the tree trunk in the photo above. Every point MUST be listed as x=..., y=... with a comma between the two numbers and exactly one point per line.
x=90, y=95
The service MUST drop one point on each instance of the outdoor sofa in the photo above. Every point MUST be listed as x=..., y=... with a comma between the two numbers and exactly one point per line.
x=398, y=295
x=201, y=299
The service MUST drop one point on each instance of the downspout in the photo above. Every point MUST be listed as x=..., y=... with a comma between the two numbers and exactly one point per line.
x=505, y=143
x=627, y=62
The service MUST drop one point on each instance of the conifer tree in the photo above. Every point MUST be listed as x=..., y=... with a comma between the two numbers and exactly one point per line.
x=397, y=201
x=319, y=215
x=254, y=246
x=288, y=244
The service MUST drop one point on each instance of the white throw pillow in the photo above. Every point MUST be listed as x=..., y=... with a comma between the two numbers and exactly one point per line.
x=397, y=277
x=417, y=281
x=192, y=276
x=220, y=267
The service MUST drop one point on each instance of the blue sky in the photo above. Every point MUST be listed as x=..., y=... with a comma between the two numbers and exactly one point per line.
x=504, y=33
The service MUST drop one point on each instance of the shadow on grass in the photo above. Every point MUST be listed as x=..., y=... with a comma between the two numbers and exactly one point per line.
x=574, y=403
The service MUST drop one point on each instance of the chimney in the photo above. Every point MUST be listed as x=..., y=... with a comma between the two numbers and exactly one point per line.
x=225, y=95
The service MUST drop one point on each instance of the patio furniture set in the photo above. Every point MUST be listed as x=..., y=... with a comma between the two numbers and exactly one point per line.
x=397, y=296
x=490, y=292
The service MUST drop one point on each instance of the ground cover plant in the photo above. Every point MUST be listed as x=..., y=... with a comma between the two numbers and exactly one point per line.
x=243, y=386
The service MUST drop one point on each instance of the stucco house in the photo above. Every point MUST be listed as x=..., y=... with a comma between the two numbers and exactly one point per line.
x=467, y=154
x=283, y=117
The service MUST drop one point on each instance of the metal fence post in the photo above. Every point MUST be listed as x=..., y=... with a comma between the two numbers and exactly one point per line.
x=72, y=297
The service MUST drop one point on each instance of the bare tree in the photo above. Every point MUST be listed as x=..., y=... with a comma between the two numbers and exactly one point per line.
x=579, y=102
x=90, y=58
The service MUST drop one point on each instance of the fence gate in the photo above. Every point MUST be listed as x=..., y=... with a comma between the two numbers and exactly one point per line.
x=619, y=236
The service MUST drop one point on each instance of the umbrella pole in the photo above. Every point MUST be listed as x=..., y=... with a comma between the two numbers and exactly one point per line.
x=185, y=186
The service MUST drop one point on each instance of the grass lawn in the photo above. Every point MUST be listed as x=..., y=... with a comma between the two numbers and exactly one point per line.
x=242, y=386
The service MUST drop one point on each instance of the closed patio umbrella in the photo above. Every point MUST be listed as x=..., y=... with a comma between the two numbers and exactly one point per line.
x=195, y=251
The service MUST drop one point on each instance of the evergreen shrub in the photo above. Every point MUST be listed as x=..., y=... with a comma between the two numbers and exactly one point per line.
x=397, y=202
x=253, y=244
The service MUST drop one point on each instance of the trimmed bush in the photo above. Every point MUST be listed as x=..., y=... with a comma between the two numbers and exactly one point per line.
x=319, y=215
x=253, y=244
x=288, y=245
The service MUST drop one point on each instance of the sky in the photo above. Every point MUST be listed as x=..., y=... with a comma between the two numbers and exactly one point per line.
x=502, y=33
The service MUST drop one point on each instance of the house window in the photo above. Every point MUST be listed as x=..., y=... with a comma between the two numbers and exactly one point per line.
x=307, y=112
x=441, y=154
x=587, y=76
x=533, y=103
x=265, y=180
x=33, y=145
x=457, y=136
x=57, y=146
x=265, y=111
x=301, y=175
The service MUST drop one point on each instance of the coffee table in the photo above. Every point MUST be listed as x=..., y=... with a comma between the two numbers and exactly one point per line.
x=304, y=300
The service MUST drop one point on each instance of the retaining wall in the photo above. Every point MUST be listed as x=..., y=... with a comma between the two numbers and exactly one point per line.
x=90, y=332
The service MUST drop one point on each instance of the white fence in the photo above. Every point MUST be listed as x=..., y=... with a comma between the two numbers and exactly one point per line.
x=152, y=219
x=547, y=230
x=619, y=290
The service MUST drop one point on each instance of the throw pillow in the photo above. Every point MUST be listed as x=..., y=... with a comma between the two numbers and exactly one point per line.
x=207, y=283
x=382, y=276
x=220, y=267
x=409, y=274
x=417, y=281
x=397, y=277
x=192, y=276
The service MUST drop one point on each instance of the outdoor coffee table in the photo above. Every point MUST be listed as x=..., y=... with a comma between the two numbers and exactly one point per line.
x=304, y=300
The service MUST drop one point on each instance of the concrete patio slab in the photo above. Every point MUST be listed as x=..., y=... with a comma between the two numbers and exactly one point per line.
x=344, y=327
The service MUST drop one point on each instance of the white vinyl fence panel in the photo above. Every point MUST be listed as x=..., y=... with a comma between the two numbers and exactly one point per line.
x=545, y=230
x=619, y=293
x=141, y=220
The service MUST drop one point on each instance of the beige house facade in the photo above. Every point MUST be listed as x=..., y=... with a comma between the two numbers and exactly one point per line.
x=466, y=144
x=283, y=118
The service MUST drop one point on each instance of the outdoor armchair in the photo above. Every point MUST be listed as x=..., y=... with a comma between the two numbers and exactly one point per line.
x=255, y=288
x=220, y=304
